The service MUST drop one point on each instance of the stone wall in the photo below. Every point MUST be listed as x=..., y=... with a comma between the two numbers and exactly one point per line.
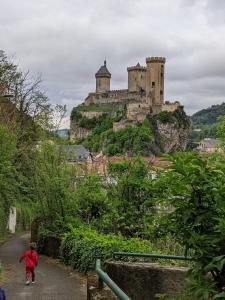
x=91, y=114
x=78, y=132
x=122, y=96
x=142, y=281
x=122, y=124
x=170, y=107
x=137, y=111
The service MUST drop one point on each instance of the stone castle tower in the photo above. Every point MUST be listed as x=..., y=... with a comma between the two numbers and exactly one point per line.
x=103, y=79
x=145, y=88
x=155, y=80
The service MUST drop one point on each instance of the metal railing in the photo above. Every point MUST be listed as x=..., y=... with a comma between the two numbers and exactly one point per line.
x=111, y=284
x=157, y=256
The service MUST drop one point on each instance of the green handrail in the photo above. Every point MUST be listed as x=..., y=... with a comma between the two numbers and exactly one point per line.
x=113, y=286
x=158, y=256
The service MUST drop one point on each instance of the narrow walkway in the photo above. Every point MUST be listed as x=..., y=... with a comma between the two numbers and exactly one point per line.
x=53, y=282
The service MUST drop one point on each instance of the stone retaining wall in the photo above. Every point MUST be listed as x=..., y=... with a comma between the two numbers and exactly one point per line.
x=140, y=281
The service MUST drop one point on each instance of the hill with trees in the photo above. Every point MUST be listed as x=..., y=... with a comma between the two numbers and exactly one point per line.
x=206, y=120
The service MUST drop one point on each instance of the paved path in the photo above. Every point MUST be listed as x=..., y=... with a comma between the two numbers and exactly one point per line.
x=53, y=281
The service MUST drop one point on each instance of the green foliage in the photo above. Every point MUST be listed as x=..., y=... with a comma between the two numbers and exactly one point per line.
x=165, y=117
x=8, y=183
x=142, y=139
x=96, y=108
x=131, y=196
x=53, y=184
x=91, y=200
x=221, y=128
x=82, y=246
x=207, y=121
x=208, y=116
x=130, y=139
x=207, y=131
x=195, y=188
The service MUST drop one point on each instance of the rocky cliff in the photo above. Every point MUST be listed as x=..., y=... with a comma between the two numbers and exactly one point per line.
x=114, y=134
x=173, y=137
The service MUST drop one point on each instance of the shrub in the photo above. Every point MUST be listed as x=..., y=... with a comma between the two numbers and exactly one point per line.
x=82, y=246
x=165, y=117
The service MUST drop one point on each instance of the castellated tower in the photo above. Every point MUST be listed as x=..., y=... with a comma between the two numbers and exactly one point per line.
x=155, y=80
x=103, y=79
x=136, y=78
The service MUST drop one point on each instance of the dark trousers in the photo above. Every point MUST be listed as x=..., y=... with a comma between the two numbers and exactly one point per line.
x=30, y=271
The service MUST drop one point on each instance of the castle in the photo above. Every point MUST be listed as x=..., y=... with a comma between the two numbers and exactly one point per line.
x=145, y=91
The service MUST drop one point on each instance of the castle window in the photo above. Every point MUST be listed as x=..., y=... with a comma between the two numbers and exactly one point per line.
x=153, y=83
x=161, y=92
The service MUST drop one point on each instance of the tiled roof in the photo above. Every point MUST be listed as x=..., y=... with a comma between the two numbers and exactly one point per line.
x=74, y=152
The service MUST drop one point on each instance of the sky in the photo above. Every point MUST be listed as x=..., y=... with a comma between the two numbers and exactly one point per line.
x=67, y=41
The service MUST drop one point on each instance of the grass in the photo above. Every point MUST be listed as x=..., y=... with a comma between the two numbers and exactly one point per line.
x=98, y=108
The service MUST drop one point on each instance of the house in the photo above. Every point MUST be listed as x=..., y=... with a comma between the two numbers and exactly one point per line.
x=209, y=145
x=75, y=153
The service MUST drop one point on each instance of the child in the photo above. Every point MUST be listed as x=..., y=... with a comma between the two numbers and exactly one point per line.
x=2, y=294
x=31, y=258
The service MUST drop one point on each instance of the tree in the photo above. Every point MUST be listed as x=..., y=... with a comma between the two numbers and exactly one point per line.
x=8, y=182
x=221, y=128
x=131, y=195
x=27, y=112
x=194, y=187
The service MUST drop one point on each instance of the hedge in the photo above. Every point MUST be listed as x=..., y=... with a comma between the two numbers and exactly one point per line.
x=82, y=246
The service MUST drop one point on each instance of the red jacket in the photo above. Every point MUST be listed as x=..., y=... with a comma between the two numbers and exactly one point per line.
x=31, y=257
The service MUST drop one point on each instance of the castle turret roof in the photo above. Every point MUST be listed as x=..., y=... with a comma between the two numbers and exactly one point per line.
x=103, y=71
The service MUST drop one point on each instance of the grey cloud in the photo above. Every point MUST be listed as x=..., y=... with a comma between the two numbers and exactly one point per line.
x=67, y=41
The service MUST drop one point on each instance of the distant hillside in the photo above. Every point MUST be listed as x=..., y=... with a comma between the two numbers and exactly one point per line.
x=209, y=115
x=206, y=120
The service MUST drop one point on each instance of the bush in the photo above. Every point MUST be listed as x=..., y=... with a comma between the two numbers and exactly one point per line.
x=165, y=117
x=82, y=246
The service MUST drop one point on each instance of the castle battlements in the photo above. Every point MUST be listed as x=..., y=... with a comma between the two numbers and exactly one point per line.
x=145, y=85
x=158, y=59
x=137, y=67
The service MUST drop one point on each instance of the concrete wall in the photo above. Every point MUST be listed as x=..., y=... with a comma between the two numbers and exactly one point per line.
x=12, y=220
x=142, y=281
